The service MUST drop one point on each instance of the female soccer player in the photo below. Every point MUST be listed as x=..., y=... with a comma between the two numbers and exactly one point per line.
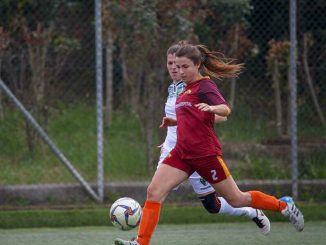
x=203, y=189
x=197, y=148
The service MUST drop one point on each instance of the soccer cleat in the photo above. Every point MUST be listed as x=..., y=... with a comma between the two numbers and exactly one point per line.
x=119, y=241
x=293, y=213
x=262, y=222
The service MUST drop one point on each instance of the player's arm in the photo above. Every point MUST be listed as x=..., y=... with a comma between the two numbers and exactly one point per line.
x=222, y=110
x=212, y=100
x=219, y=119
x=168, y=122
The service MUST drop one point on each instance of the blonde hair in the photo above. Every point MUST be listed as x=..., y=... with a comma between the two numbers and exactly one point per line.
x=211, y=63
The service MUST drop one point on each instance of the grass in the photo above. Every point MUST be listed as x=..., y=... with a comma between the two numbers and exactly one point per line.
x=240, y=127
x=187, y=234
x=179, y=224
x=74, y=132
x=98, y=216
x=313, y=165
x=73, y=129
x=262, y=167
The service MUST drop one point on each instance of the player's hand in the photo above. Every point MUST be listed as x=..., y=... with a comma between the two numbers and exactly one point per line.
x=204, y=107
x=168, y=122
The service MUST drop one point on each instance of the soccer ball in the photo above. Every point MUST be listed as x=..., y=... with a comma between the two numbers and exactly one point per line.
x=125, y=213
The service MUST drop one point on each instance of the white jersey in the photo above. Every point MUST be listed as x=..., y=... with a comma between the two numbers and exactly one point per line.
x=173, y=92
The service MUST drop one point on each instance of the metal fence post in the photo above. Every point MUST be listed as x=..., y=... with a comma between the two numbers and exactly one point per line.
x=99, y=97
x=293, y=82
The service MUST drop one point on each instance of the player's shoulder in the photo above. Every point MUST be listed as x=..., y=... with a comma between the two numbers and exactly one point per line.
x=175, y=89
x=177, y=85
x=207, y=83
x=180, y=84
x=171, y=87
x=180, y=87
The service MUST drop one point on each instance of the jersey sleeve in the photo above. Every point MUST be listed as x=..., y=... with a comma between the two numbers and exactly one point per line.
x=209, y=93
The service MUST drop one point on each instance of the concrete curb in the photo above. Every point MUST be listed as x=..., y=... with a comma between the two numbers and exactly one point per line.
x=53, y=194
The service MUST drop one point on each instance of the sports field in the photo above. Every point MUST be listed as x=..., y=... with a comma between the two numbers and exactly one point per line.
x=194, y=234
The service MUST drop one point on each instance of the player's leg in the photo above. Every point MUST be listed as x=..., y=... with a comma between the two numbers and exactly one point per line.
x=214, y=204
x=210, y=200
x=157, y=191
x=166, y=177
x=219, y=177
x=206, y=194
x=164, y=153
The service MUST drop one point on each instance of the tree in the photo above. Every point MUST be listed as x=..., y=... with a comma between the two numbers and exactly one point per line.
x=307, y=43
x=278, y=66
x=223, y=29
x=43, y=50
x=4, y=42
x=109, y=31
x=146, y=30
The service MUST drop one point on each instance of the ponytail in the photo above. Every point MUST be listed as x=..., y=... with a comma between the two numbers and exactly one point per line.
x=211, y=63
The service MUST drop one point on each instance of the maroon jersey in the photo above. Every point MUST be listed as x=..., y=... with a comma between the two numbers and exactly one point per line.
x=195, y=131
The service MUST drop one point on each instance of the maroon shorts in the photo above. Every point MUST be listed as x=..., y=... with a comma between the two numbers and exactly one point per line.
x=212, y=168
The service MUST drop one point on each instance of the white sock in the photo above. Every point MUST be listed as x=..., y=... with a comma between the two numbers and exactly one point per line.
x=226, y=208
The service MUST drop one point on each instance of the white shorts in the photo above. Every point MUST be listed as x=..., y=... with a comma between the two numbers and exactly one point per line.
x=200, y=185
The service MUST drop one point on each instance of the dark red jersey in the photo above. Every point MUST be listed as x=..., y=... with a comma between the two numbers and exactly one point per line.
x=195, y=131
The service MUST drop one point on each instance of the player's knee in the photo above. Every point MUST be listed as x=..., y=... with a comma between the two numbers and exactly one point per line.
x=211, y=203
x=151, y=193
x=154, y=194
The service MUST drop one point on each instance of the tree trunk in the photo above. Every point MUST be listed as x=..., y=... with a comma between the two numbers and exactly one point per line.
x=30, y=137
x=109, y=80
x=1, y=106
x=37, y=56
x=278, y=100
x=288, y=115
x=306, y=39
x=149, y=147
x=234, y=51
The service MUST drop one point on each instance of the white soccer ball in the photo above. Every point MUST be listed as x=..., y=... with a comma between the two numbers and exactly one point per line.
x=125, y=213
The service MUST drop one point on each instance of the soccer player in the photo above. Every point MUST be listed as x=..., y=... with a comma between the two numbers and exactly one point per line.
x=197, y=148
x=203, y=189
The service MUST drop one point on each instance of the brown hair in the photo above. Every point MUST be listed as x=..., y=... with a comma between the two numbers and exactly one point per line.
x=174, y=48
x=211, y=63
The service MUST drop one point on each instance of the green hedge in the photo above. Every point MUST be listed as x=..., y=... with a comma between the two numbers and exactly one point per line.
x=98, y=216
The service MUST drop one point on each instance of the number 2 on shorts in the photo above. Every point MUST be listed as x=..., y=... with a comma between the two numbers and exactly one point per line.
x=214, y=173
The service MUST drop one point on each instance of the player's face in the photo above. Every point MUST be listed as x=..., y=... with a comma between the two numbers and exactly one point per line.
x=187, y=69
x=172, y=68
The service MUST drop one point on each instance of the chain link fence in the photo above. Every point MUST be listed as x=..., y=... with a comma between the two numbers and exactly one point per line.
x=47, y=59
